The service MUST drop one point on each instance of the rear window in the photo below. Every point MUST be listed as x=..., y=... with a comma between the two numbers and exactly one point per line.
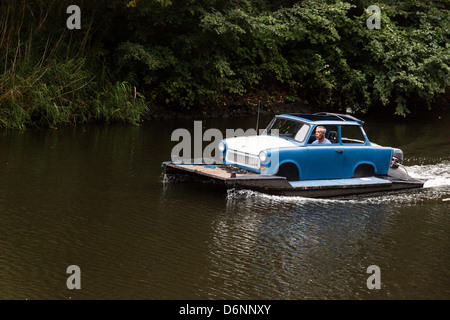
x=352, y=135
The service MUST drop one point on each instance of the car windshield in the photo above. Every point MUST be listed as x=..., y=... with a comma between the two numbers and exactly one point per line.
x=288, y=128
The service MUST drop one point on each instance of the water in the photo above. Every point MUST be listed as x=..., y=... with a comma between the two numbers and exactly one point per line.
x=94, y=197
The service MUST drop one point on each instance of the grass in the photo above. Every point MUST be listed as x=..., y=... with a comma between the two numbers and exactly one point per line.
x=46, y=82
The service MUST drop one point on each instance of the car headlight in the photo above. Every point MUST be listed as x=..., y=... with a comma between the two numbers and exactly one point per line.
x=262, y=156
x=221, y=146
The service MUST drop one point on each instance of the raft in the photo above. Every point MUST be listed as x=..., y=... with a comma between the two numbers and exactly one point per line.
x=231, y=177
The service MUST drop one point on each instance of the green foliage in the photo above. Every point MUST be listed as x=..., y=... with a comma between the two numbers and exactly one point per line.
x=403, y=65
x=44, y=95
x=319, y=51
x=118, y=103
x=198, y=53
x=52, y=79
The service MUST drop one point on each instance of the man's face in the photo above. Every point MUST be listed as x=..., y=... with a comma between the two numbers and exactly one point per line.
x=319, y=134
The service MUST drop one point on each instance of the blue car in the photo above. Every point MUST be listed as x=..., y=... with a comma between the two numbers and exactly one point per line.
x=311, y=147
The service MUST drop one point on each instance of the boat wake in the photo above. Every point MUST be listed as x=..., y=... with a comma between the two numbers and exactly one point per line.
x=436, y=175
x=436, y=187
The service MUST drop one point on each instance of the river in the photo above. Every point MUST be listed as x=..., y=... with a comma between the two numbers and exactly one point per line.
x=94, y=197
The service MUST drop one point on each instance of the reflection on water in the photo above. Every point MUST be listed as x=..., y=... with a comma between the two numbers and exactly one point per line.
x=95, y=197
x=321, y=247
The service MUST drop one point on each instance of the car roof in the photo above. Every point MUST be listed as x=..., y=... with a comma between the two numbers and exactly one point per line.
x=325, y=118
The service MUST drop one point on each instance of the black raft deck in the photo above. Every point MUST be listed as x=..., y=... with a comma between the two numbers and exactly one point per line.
x=231, y=177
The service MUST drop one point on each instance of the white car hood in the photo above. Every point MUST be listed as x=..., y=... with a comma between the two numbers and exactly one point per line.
x=255, y=144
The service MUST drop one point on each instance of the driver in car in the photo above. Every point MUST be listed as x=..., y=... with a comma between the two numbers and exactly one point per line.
x=320, y=136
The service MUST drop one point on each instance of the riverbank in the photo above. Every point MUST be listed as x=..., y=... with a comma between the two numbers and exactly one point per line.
x=229, y=111
x=108, y=113
x=273, y=108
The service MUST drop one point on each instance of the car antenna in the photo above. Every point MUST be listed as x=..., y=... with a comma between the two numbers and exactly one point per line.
x=257, y=118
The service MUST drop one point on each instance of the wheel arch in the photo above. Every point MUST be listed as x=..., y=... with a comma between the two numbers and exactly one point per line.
x=364, y=169
x=293, y=164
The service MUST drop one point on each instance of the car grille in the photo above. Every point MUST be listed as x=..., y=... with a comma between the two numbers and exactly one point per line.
x=242, y=159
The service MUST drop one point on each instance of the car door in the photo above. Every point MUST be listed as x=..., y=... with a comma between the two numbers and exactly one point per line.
x=355, y=149
x=325, y=161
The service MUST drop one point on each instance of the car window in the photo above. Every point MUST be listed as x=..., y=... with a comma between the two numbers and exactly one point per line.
x=301, y=134
x=352, y=135
x=331, y=134
x=287, y=128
